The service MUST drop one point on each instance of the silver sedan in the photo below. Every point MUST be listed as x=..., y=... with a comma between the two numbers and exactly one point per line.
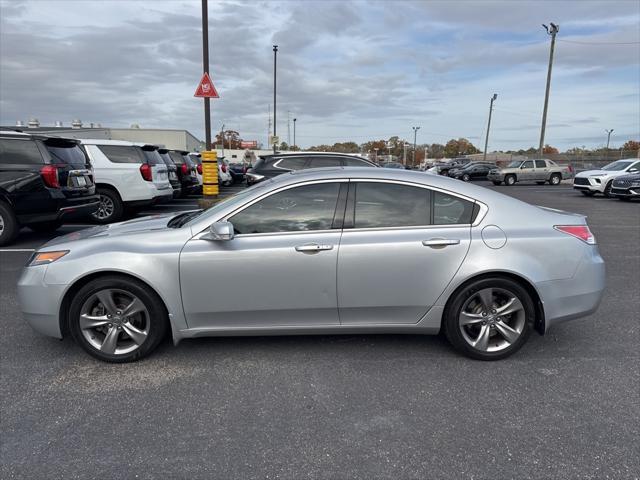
x=325, y=251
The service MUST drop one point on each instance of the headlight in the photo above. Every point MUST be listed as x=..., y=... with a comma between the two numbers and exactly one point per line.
x=45, y=258
x=635, y=184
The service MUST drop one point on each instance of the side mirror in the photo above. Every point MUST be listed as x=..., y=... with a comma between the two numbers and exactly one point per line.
x=219, y=231
x=522, y=166
x=633, y=170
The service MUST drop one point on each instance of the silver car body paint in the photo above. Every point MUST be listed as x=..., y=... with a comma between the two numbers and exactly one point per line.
x=369, y=281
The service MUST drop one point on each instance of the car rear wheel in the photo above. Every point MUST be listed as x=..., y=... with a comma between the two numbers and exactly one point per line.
x=555, y=179
x=489, y=319
x=117, y=319
x=45, y=226
x=510, y=180
x=8, y=225
x=110, y=208
x=587, y=193
x=466, y=177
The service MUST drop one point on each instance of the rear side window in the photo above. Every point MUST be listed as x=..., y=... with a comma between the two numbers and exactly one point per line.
x=19, y=151
x=355, y=162
x=391, y=205
x=66, y=153
x=450, y=210
x=294, y=163
x=541, y=164
x=321, y=162
x=121, y=153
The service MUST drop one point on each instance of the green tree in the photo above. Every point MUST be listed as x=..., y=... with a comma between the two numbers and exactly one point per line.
x=284, y=146
x=461, y=146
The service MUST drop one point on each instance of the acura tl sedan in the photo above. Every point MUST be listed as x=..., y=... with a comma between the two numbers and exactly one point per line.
x=321, y=251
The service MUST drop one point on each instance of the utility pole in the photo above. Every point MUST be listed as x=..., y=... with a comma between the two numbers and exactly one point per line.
x=294, y=131
x=553, y=31
x=269, y=126
x=608, y=137
x=275, y=62
x=404, y=153
x=222, y=138
x=289, y=128
x=205, y=68
x=486, y=140
x=415, y=136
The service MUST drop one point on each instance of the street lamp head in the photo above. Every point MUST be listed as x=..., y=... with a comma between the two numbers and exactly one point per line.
x=295, y=119
x=275, y=48
x=495, y=96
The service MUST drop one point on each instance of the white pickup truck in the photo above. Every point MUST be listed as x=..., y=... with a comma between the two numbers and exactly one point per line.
x=539, y=171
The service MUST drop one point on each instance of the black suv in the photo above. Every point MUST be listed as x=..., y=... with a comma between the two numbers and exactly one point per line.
x=626, y=187
x=172, y=172
x=186, y=171
x=43, y=182
x=268, y=166
x=472, y=171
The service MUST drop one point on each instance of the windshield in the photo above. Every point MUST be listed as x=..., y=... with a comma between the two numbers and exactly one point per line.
x=617, y=166
x=514, y=164
x=184, y=218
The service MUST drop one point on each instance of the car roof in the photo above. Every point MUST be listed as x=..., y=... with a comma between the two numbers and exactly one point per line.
x=306, y=153
x=121, y=143
x=10, y=133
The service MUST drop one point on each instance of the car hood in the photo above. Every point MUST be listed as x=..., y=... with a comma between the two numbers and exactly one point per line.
x=138, y=225
x=589, y=173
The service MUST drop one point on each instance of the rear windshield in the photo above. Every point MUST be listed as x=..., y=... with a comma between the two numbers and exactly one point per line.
x=176, y=157
x=152, y=156
x=67, y=153
x=167, y=159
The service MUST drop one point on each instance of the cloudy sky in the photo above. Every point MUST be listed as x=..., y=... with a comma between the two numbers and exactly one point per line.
x=348, y=70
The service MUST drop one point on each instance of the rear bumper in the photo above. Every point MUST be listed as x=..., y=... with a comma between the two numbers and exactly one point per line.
x=574, y=297
x=68, y=209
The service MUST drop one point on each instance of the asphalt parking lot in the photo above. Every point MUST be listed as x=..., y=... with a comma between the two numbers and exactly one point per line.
x=383, y=406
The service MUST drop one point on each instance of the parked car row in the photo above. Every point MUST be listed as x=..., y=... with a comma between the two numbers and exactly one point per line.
x=619, y=179
x=48, y=180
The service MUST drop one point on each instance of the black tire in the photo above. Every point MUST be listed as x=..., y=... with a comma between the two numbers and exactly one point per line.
x=607, y=189
x=454, y=307
x=587, y=193
x=111, y=207
x=510, y=180
x=8, y=225
x=496, y=182
x=158, y=318
x=45, y=226
x=466, y=177
x=555, y=179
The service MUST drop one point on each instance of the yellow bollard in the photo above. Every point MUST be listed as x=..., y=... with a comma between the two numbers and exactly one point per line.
x=209, y=173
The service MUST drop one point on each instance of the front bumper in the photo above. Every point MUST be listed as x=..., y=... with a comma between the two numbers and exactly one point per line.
x=633, y=192
x=39, y=302
x=574, y=297
x=591, y=184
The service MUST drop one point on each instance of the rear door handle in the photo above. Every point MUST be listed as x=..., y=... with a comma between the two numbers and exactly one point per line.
x=440, y=242
x=313, y=247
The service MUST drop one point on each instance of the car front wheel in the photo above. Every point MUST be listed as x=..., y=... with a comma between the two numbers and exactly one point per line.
x=510, y=180
x=489, y=319
x=8, y=225
x=117, y=319
x=110, y=208
x=555, y=179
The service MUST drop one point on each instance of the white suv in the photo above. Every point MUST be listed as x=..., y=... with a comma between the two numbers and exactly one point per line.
x=127, y=174
x=600, y=181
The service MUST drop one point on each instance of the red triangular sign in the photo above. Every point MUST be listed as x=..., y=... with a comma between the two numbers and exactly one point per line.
x=206, y=88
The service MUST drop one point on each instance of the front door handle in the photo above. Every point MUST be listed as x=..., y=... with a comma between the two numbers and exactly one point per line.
x=313, y=247
x=440, y=242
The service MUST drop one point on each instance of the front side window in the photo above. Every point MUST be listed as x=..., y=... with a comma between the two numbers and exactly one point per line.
x=298, y=209
x=528, y=164
x=121, y=153
x=451, y=210
x=391, y=205
x=19, y=152
x=541, y=164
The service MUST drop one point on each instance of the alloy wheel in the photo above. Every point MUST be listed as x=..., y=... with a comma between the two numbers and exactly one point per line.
x=492, y=319
x=105, y=208
x=114, y=321
x=1, y=225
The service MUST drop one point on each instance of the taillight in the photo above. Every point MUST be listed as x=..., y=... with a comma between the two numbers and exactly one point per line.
x=579, y=231
x=223, y=167
x=145, y=171
x=49, y=175
x=199, y=167
x=184, y=168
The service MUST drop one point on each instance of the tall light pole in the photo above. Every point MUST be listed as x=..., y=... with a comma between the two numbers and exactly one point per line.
x=608, y=137
x=294, y=131
x=553, y=31
x=275, y=62
x=205, y=68
x=486, y=140
x=415, y=136
x=376, y=150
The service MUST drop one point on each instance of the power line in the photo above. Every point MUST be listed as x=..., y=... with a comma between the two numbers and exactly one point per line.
x=598, y=43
